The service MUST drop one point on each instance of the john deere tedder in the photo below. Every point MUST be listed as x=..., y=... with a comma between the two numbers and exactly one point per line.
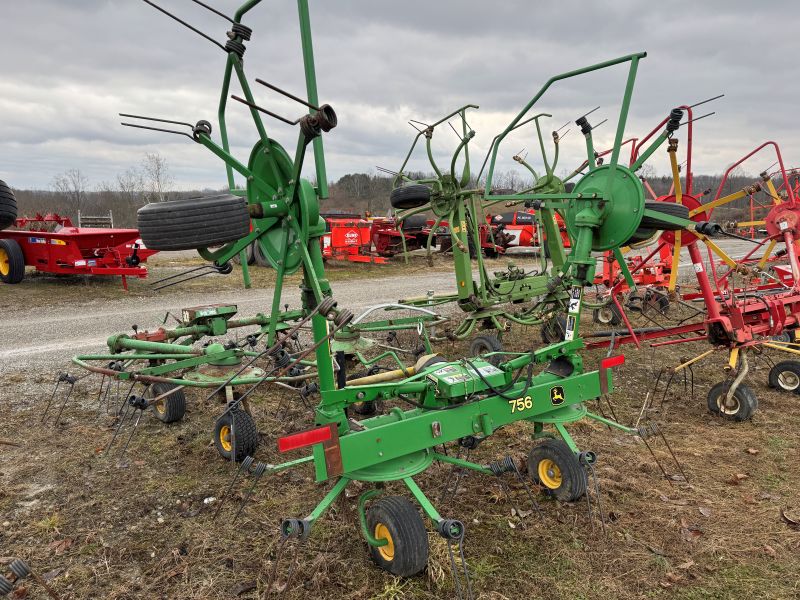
x=434, y=402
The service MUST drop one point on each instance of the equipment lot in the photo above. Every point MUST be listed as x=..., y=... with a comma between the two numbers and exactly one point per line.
x=88, y=521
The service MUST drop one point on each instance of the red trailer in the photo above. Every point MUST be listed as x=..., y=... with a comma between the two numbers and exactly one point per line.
x=51, y=244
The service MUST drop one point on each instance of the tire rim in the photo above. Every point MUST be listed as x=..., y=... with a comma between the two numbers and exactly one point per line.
x=729, y=408
x=160, y=407
x=605, y=315
x=382, y=533
x=788, y=380
x=5, y=267
x=225, y=438
x=549, y=474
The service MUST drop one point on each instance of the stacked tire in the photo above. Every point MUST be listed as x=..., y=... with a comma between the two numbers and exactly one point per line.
x=8, y=206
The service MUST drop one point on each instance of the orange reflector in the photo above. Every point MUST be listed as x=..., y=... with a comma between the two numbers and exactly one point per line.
x=612, y=361
x=305, y=438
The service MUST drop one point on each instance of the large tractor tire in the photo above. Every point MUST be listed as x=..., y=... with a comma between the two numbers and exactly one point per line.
x=194, y=222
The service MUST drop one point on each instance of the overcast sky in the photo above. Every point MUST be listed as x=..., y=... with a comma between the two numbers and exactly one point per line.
x=67, y=67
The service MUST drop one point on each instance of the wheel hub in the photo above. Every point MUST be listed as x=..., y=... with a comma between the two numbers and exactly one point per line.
x=549, y=474
x=5, y=267
x=382, y=533
x=789, y=380
x=225, y=438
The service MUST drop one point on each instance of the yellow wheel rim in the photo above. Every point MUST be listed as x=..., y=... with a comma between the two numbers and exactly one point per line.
x=160, y=407
x=382, y=533
x=5, y=267
x=549, y=474
x=225, y=438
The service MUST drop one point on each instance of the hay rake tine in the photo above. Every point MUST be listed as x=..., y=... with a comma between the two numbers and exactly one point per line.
x=643, y=435
x=260, y=469
x=62, y=378
x=507, y=465
x=244, y=466
x=587, y=459
x=453, y=532
x=130, y=403
x=133, y=430
x=657, y=430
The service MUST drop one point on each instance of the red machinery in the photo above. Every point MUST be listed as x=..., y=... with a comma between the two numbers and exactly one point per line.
x=762, y=304
x=389, y=238
x=51, y=244
x=349, y=237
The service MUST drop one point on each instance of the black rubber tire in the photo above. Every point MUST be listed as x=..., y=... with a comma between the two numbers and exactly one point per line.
x=483, y=344
x=412, y=195
x=16, y=261
x=787, y=335
x=573, y=478
x=607, y=315
x=170, y=409
x=258, y=256
x=745, y=398
x=249, y=252
x=553, y=330
x=642, y=234
x=785, y=376
x=414, y=222
x=666, y=208
x=194, y=222
x=490, y=252
x=407, y=530
x=245, y=430
x=8, y=206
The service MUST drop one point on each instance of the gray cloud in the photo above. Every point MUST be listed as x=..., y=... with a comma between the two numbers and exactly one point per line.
x=67, y=69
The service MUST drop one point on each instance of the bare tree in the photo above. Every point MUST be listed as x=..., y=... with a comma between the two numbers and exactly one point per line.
x=131, y=185
x=71, y=187
x=157, y=177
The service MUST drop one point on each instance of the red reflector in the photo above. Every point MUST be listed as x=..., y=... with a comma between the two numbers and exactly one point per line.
x=612, y=361
x=304, y=438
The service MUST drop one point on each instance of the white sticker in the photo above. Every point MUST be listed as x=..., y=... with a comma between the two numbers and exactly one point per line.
x=698, y=267
x=783, y=225
x=569, y=334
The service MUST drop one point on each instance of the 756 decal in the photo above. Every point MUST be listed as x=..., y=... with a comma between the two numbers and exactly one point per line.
x=520, y=404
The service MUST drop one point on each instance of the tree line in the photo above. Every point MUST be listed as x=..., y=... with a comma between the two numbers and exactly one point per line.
x=70, y=192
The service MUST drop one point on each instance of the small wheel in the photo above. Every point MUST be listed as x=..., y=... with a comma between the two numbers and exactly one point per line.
x=740, y=407
x=553, y=465
x=169, y=409
x=236, y=428
x=787, y=335
x=785, y=376
x=607, y=315
x=484, y=344
x=553, y=330
x=397, y=520
x=412, y=195
x=12, y=261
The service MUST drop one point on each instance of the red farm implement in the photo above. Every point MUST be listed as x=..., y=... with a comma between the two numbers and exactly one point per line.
x=51, y=244
x=349, y=237
x=750, y=304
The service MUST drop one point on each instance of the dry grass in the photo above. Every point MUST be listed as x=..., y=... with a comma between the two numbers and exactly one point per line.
x=139, y=527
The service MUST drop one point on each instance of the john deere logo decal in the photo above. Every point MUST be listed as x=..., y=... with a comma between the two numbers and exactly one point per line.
x=556, y=395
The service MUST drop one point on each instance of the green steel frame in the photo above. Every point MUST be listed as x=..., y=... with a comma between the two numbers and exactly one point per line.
x=450, y=400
